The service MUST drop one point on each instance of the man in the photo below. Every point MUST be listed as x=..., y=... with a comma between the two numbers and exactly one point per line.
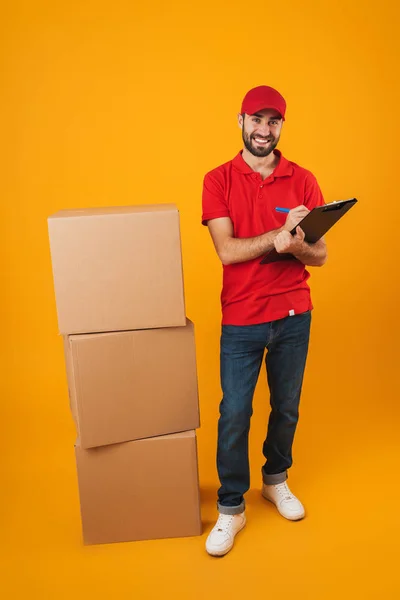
x=264, y=306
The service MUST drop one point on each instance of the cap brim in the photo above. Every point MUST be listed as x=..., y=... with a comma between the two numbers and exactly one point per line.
x=259, y=108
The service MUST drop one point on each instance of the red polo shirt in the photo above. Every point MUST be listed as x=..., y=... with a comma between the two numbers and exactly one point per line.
x=254, y=293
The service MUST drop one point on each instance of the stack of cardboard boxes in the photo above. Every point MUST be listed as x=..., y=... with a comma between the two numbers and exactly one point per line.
x=131, y=369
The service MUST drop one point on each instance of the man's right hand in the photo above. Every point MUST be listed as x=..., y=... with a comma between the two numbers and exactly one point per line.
x=295, y=216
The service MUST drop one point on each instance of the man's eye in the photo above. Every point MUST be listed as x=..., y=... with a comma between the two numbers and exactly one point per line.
x=257, y=120
x=274, y=123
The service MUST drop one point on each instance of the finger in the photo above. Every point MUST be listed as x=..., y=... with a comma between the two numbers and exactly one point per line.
x=300, y=208
x=300, y=233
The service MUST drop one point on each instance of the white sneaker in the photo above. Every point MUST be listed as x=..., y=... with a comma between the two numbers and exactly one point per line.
x=287, y=504
x=222, y=535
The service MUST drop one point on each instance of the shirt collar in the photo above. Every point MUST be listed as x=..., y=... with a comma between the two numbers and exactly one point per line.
x=283, y=169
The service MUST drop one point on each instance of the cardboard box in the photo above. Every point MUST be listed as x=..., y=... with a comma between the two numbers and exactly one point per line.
x=139, y=490
x=117, y=268
x=133, y=384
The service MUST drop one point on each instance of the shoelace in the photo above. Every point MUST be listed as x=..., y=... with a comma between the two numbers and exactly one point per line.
x=223, y=523
x=284, y=492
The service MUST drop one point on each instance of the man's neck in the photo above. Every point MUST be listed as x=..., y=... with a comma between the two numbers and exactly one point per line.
x=263, y=165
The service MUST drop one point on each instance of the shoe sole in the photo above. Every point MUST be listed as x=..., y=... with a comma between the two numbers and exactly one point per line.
x=299, y=518
x=223, y=552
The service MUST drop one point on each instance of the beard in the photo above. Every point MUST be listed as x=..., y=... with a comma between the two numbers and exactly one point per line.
x=254, y=149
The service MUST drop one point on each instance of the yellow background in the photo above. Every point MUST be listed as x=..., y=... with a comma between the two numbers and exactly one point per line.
x=110, y=103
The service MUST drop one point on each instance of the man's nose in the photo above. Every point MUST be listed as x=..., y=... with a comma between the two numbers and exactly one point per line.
x=264, y=130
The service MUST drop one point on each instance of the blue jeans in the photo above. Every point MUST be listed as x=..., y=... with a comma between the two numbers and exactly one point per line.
x=242, y=351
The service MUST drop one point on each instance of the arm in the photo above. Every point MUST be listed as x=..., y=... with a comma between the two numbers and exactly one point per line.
x=313, y=255
x=235, y=250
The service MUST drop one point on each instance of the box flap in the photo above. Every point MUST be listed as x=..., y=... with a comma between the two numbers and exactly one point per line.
x=113, y=210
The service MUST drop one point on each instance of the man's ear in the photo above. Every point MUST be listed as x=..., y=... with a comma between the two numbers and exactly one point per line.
x=240, y=120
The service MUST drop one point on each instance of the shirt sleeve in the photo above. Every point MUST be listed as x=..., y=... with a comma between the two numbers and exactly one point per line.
x=312, y=194
x=214, y=202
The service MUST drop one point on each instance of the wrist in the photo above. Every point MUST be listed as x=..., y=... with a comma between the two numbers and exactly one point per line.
x=301, y=249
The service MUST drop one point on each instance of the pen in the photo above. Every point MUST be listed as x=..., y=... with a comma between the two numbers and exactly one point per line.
x=284, y=210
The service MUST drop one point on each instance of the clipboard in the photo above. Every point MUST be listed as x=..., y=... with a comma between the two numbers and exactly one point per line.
x=315, y=225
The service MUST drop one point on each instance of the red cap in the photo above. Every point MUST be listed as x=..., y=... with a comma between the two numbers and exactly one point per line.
x=263, y=97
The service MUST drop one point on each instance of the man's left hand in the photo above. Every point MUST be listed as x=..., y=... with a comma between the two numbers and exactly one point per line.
x=286, y=242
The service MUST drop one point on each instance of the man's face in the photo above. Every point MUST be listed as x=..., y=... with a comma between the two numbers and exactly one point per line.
x=261, y=131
